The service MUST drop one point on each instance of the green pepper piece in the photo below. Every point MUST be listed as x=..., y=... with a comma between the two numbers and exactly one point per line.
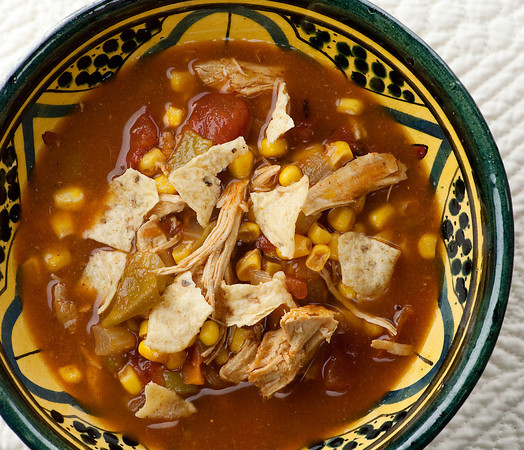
x=191, y=145
x=139, y=289
x=175, y=382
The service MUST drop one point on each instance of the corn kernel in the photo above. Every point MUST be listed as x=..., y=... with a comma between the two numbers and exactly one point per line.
x=222, y=357
x=271, y=267
x=248, y=232
x=57, y=258
x=352, y=106
x=353, y=321
x=176, y=360
x=239, y=337
x=373, y=330
x=181, y=81
x=303, y=246
x=142, y=331
x=70, y=374
x=385, y=236
x=304, y=222
x=250, y=262
x=318, y=257
x=341, y=219
x=289, y=175
x=273, y=150
x=318, y=234
x=209, y=333
x=129, y=380
x=333, y=247
x=151, y=354
x=381, y=216
x=182, y=250
x=70, y=198
x=346, y=291
x=148, y=162
x=359, y=228
x=427, y=245
x=242, y=166
x=62, y=224
x=32, y=269
x=338, y=153
x=304, y=153
x=164, y=186
x=173, y=117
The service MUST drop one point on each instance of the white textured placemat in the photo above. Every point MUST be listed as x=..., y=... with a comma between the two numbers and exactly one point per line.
x=483, y=43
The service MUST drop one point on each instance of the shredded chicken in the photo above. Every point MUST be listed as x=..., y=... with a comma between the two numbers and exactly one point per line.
x=283, y=353
x=264, y=178
x=356, y=179
x=392, y=347
x=150, y=236
x=237, y=368
x=230, y=75
x=168, y=204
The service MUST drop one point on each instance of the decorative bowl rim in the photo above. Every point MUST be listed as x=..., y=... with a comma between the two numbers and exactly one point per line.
x=465, y=117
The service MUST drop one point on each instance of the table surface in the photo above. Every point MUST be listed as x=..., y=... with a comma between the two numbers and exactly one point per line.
x=483, y=43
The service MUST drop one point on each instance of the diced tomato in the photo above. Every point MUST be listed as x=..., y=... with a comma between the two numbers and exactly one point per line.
x=219, y=117
x=420, y=150
x=192, y=370
x=143, y=137
x=146, y=370
x=263, y=244
x=296, y=287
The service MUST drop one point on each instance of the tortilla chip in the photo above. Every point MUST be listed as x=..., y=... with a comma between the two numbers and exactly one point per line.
x=280, y=121
x=129, y=199
x=175, y=322
x=247, y=304
x=163, y=403
x=276, y=213
x=367, y=264
x=196, y=181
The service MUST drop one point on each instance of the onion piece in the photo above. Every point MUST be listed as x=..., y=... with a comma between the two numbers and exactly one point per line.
x=113, y=341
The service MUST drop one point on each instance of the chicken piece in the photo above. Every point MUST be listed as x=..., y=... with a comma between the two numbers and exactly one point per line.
x=237, y=77
x=280, y=120
x=276, y=213
x=237, y=368
x=356, y=179
x=394, y=348
x=264, y=178
x=231, y=203
x=167, y=204
x=65, y=310
x=150, y=236
x=163, y=403
x=196, y=181
x=284, y=352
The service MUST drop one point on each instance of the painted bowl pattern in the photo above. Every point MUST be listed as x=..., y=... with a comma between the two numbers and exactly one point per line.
x=462, y=165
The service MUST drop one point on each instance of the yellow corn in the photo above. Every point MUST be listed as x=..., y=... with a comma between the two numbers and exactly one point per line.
x=182, y=250
x=381, y=216
x=385, y=236
x=209, y=333
x=352, y=106
x=318, y=234
x=181, y=81
x=338, y=153
x=427, y=245
x=318, y=257
x=148, y=162
x=333, y=246
x=271, y=267
x=151, y=354
x=353, y=321
x=242, y=165
x=32, y=269
x=289, y=175
x=346, y=291
x=222, y=357
x=142, y=331
x=173, y=117
x=62, y=224
x=70, y=374
x=239, y=337
x=129, y=380
x=373, y=330
x=359, y=228
x=176, y=360
x=304, y=153
x=273, y=150
x=250, y=262
x=303, y=246
x=57, y=258
x=70, y=198
x=248, y=232
x=164, y=186
x=341, y=219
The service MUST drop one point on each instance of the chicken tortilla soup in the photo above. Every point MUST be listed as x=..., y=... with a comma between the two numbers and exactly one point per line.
x=229, y=245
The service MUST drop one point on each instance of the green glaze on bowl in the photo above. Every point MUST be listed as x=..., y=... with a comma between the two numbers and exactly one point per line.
x=377, y=53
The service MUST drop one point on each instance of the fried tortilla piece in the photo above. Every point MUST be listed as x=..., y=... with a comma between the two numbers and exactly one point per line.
x=236, y=369
x=102, y=275
x=367, y=264
x=356, y=179
x=280, y=120
x=174, y=323
x=284, y=352
x=130, y=197
x=237, y=77
x=276, y=213
x=247, y=304
x=163, y=403
x=196, y=181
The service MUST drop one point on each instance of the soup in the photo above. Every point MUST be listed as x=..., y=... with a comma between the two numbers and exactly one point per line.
x=228, y=246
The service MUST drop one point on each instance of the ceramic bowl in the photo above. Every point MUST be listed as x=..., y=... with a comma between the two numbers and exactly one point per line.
x=377, y=53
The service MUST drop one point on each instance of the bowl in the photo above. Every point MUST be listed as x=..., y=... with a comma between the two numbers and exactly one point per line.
x=376, y=52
